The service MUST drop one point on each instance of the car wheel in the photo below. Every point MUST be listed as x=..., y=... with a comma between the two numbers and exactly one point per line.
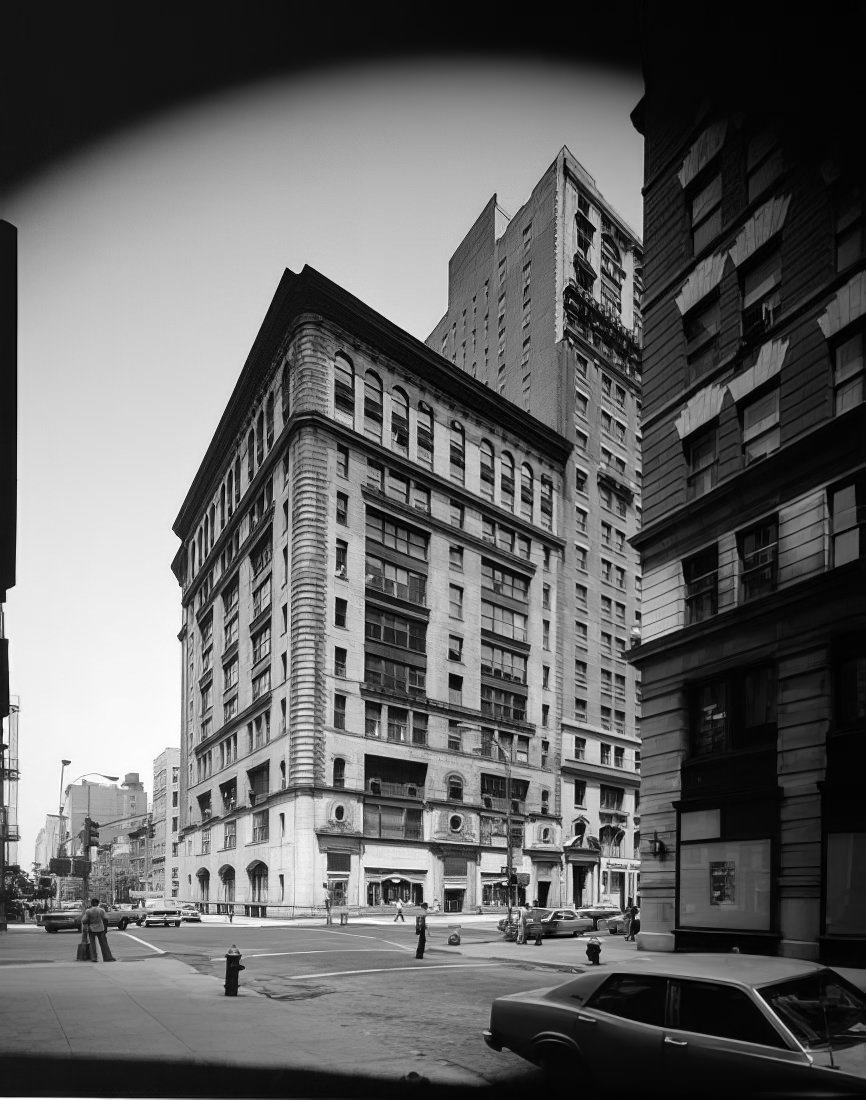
x=562, y=1067
x=177, y=924
x=121, y=925
x=50, y=929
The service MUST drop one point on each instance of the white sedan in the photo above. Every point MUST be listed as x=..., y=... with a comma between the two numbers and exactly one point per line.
x=190, y=913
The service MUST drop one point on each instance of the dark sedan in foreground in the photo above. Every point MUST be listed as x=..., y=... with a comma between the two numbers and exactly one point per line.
x=700, y=1024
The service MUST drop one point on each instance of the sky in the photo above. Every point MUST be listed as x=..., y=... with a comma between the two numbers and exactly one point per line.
x=146, y=263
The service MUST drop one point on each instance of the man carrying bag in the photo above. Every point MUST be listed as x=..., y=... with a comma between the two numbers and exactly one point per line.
x=94, y=927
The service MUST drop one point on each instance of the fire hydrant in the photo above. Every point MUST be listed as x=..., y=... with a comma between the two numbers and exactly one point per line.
x=593, y=951
x=233, y=970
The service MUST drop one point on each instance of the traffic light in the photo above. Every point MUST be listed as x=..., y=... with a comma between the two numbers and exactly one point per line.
x=90, y=833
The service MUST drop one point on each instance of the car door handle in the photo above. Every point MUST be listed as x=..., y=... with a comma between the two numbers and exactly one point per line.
x=676, y=1042
x=586, y=1019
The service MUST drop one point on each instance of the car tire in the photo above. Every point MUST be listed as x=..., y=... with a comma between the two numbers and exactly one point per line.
x=50, y=930
x=121, y=925
x=177, y=924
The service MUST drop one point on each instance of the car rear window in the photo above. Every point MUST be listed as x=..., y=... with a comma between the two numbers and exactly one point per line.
x=709, y=1008
x=639, y=997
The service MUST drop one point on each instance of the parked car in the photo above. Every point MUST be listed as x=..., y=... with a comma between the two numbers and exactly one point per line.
x=164, y=911
x=68, y=918
x=614, y=925
x=190, y=913
x=697, y=1024
x=598, y=912
x=554, y=922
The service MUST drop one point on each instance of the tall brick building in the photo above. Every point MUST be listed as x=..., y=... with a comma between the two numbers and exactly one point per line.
x=544, y=307
x=370, y=564
x=753, y=650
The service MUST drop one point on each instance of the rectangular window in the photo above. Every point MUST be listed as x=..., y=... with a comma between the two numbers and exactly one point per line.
x=581, y=597
x=396, y=536
x=611, y=798
x=455, y=647
x=581, y=634
x=455, y=558
x=419, y=728
x=761, y=426
x=398, y=724
x=342, y=460
x=261, y=644
x=454, y=737
x=455, y=690
x=499, y=703
x=261, y=683
x=455, y=601
x=502, y=620
x=503, y=663
x=706, y=212
x=618, y=756
x=758, y=550
x=733, y=712
x=373, y=719
x=761, y=296
x=701, y=462
x=340, y=712
x=580, y=670
x=339, y=661
x=605, y=754
x=385, y=576
x=763, y=162
x=848, y=374
x=579, y=793
x=849, y=229
x=580, y=748
x=342, y=508
x=701, y=576
x=396, y=630
x=262, y=598
x=847, y=521
x=340, y=607
x=504, y=581
x=579, y=709
x=701, y=328
x=230, y=674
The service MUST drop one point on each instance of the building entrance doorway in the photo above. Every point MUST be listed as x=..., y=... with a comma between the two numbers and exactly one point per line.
x=580, y=885
x=543, y=893
x=454, y=900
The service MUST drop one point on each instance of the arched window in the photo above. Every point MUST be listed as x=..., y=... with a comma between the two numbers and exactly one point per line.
x=458, y=451
x=399, y=421
x=373, y=406
x=339, y=772
x=487, y=473
x=269, y=420
x=424, y=434
x=230, y=493
x=251, y=455
x=287, y=401
x=527, y=491
x=506, y=481
x=222, y=505
x=455, y=788
x=610, y=837
x=344, y=390
x=260, y=442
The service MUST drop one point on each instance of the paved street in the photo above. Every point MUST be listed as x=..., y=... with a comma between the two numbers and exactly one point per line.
x=340, y=999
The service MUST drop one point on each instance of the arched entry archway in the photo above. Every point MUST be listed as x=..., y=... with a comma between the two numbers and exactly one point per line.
x=203, y=877
x=258, y=891
x=227, y=889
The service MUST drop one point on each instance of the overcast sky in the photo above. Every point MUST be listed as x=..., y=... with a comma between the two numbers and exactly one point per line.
x=146, y=264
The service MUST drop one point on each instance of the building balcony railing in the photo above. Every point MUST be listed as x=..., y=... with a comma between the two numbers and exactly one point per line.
x=493, y=802
x=387, y=789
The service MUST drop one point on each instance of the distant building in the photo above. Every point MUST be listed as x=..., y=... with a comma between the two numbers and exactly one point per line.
x=370, y=564
x=545, y=309
x=117, y=809
x=753, y=650
x=166, y=815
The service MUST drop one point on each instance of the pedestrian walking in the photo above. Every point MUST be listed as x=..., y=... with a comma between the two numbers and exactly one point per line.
x=522, y=915
x=93, y=922
x=399, y=906
x=633, y=922
x=421, y=930
x=327, y=908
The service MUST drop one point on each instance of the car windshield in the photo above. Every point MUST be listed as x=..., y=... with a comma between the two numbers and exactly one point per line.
x=822, y=1010
x=539, y=914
